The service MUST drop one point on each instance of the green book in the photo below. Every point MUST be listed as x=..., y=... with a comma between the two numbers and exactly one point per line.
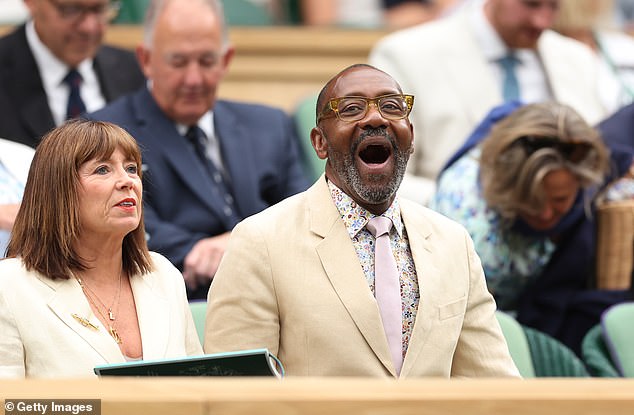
x=256, y=362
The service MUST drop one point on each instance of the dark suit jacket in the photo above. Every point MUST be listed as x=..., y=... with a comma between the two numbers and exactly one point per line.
x=259, y=151
x=24, y=112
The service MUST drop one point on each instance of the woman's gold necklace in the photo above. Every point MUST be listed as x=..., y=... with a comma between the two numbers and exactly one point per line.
x=90, y=294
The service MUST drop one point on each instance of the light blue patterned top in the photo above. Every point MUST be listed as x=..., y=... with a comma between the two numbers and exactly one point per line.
x=11, y=190
x=510, y=259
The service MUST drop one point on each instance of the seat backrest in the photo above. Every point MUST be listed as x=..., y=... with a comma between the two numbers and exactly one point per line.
x=596, y=355
x=616, y=324
x=304, y=116
x=246, y=13
x=199, y=313
x=517, y=344
x=237, y=13
x=132, y=11
x=551, y=358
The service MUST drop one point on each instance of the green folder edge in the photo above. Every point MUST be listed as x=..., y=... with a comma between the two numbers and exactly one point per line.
x=274, y=364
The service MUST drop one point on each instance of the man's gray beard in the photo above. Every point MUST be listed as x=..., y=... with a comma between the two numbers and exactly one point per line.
x=344, y=166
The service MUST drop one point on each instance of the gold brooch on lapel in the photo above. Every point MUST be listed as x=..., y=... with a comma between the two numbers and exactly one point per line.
x=84, y=322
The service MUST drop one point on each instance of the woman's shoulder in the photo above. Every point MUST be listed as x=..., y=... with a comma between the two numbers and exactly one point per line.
x=13, y=274
x=158, y=260
x=9, y=266
x=162, y=268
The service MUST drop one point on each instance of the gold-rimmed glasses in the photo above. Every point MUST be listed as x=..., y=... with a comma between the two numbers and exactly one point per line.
x=74, y=12
x=355, y=108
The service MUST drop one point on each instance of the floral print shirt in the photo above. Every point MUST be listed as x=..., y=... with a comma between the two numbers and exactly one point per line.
x=355, y=218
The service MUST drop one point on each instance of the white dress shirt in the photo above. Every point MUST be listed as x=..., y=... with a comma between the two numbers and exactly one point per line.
x=212, y=145
x=533, y=83
x=52, y=71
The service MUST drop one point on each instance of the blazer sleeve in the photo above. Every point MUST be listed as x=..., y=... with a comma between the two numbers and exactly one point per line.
x=246, y=317
x=192, y=341
x=11, y=349
x=481, y=350
x=182, y=336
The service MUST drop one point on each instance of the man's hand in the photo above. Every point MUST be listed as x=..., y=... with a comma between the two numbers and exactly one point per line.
x=7, y=215
x=201, y=263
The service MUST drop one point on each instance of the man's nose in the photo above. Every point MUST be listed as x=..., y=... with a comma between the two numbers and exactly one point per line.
x=547, y=213
x=90, y=21
x=193, y=73
x=544, y=17
x=373, y=116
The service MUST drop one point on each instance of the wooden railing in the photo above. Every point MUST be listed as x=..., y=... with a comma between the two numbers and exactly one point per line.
x=202, y=396
x=277, y=65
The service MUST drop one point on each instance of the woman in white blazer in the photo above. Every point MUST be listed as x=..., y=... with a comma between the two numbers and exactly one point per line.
x=80, y=287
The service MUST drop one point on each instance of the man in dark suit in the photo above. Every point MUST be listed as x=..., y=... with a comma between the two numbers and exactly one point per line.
x=209, y=163
x=36, y=58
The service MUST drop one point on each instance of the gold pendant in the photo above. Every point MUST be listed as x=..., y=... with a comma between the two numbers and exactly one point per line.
x=115, y=335
x=110, y=315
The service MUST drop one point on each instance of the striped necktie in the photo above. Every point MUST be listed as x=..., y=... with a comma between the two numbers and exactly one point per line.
x=196, y=136
x=75, y=105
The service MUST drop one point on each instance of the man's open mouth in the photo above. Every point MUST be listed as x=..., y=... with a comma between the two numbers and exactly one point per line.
x=375, y=153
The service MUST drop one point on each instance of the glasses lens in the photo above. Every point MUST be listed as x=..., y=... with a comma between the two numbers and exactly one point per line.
x=105, y=11
x=393, y=107
x=573, y=152
x=352, y=109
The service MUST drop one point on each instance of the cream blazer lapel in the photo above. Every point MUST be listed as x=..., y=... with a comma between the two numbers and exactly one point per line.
x=341, y=264
x=578, y=87
x=419, y=236
x=152, y=310
x=468, y=72
x=68, y=299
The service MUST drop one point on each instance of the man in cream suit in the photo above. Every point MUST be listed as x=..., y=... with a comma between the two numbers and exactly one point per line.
x=453, y=66
x=299, y=277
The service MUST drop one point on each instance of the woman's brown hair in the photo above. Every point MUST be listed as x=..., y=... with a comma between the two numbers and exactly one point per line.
x=47, y=225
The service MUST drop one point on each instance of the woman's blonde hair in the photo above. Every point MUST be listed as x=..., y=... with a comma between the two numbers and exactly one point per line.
x=514, y=161
x=48, y=223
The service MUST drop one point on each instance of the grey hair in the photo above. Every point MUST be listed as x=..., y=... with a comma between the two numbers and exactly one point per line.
x=511, y=177
x=155, y=8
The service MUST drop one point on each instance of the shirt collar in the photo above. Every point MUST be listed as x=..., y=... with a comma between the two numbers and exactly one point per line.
x=355, y=217
x=205, y=123
x=52, y=70
x=491, y=44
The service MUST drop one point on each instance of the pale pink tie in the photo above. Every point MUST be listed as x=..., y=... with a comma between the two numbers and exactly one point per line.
x=387, y=288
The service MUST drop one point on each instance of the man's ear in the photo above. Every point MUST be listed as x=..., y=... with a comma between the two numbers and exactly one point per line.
x=411, y=131
x=318, y=140
x=227, y=58
x=143, y=56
